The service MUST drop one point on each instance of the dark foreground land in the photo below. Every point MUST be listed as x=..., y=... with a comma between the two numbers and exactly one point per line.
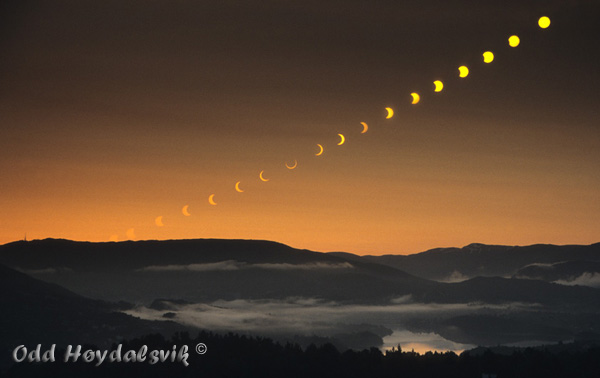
x=59, y=292
x=240, y=356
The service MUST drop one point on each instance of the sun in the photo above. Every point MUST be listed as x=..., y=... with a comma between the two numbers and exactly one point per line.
x=544, y=22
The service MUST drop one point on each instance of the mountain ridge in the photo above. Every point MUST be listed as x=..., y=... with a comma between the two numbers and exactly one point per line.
x=441, y=264
x=212, y=269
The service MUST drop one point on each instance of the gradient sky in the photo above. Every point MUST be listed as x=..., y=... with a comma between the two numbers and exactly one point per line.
x=115, y=112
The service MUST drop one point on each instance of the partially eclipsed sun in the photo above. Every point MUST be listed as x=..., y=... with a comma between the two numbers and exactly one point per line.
x=415, y=98
x=237, y=187
x=365, y=127
x=320, y=150
x=390, y=112
x=488, y=57
x=514, y=41
x=211, y=200
x=262, y=178
x=292, y=166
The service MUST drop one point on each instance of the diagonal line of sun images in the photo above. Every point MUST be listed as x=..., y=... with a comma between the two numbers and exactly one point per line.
x=438, y=86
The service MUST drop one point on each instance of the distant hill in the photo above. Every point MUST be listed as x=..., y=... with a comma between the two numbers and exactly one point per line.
x=455, y=264
x=205, y=270
x=567, y=272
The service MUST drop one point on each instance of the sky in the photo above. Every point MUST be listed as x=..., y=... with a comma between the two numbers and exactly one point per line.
x=114, y=113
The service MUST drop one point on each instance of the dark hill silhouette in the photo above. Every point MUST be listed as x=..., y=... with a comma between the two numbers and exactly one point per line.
x=567, y=271
x=36, y=312
x=501, y=290
x=474, y=260
x=205, y=270
x=146, y=270
x=131, y=255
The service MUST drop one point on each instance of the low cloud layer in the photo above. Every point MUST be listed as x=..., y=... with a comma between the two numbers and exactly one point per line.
x=228, y=265
x=541, y=265
x=231, y=265
x=586, y=279
x=455, y=276
x=308, y=316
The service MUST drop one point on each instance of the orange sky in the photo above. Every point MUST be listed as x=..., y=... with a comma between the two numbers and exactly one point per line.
x=116, y=114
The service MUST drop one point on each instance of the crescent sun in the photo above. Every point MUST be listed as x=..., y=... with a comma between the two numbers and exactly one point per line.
x=292, y=166
x=343, y=139
x=262, y=178
x=463, y=71
x=390, y=113
x=438, y=85
x=185, y=211
x=211, y=199
x=130, y=233
x=365, y=127
x=415, y=98
x=237, y=187
x=159, y=221
x=320, y=150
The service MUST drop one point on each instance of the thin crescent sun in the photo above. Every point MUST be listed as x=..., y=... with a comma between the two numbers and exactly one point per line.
x=390, y=113
x=365, y=127
x=415, y=98
x=185, y=211
x=342, y=139
x=237, y=187
x=320, y=150
x=158, y=221
x=262, y=178
x=292, y=166
x=211, y=199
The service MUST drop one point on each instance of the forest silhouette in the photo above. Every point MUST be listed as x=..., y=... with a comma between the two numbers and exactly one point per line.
x=234, y=355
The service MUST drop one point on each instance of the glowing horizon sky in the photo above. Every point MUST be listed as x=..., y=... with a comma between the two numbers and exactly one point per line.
x=115, y=114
